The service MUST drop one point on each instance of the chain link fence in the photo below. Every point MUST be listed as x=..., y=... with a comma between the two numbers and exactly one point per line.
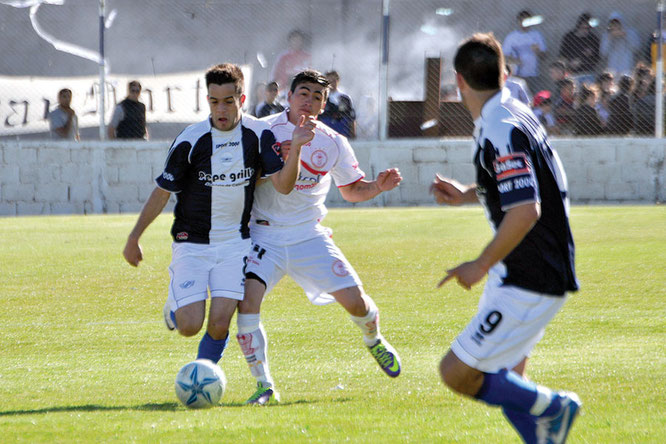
x=586, y=67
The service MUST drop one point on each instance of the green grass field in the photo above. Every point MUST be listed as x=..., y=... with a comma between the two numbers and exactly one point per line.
x=84, y=355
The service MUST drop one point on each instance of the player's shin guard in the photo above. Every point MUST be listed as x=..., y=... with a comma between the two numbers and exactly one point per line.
x=523, y=423
x=212, y=349
x=508, y=390
x=369, y=324
x=254, y=345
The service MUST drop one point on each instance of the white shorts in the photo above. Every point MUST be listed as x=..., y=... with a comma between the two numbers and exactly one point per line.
x=508, y=325
x=197, y=268
x=317, y=265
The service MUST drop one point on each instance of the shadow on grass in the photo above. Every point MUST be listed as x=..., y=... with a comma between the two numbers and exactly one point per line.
x=164, y=406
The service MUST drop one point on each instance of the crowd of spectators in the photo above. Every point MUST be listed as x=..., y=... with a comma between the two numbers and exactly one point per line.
x=598, y=84
x=600, y=81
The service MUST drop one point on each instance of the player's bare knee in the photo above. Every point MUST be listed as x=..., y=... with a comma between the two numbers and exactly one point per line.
x=188, y=329
x=218, y=329
x=458, y=376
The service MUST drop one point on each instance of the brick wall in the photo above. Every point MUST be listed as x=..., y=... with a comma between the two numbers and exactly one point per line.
x=93, y=177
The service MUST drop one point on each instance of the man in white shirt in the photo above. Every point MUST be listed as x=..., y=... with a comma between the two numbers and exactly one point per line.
x=63, y=122
x=523, y=48
x=288, y=238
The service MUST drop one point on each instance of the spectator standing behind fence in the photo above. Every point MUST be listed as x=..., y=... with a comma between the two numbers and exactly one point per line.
x=644, y=111
x=605, y=84
x=543, y=110
x=129, y=116
x=587, y=121
x=580, y=50
x=339, y=112
x=523, y=48
x=557, y=71
x=564, y=105
x=270, y=105
x=619, y=45
x=621, y=119
x=643, y=76
x=292, y=61
x=63, y=122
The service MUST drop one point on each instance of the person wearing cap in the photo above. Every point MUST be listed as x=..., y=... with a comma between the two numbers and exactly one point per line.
x=543, y=110
x=619, y=45
x=523, y=48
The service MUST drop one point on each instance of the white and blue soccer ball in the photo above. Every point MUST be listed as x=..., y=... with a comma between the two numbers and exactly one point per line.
x=200, y=384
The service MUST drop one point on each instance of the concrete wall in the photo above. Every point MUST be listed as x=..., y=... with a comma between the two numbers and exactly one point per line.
x=91, y=177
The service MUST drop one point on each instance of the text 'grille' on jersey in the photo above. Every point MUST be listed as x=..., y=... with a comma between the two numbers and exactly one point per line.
x=213, y=174
x=516, y=165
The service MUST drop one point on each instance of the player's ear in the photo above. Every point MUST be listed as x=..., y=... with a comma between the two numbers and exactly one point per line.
x=460, y=80
x=242, y=98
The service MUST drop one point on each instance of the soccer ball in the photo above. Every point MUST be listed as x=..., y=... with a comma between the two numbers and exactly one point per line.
x=200, y=384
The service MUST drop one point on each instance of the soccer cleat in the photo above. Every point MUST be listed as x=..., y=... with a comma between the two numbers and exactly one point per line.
x=386, y=357
x=554, y=429
x=169, y=317
x=264, y=396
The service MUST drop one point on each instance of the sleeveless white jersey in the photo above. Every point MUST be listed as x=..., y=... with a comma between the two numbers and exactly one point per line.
x=327, y=155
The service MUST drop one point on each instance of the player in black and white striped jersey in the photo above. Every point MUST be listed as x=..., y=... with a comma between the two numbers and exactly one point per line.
x=212, y=168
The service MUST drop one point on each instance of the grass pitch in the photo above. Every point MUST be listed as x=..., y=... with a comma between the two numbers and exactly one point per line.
x=84, y=356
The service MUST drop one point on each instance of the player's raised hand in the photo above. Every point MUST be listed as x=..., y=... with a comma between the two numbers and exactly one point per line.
x=132, y=252
x=466, y=274
x=304, y=132
x=389, y=179
x=447, y=191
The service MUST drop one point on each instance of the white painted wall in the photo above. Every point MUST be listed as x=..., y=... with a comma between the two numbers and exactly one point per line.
x=116, y=177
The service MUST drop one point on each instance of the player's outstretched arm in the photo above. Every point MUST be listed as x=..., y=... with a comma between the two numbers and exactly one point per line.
x=285, y=179
x=365, y=190
x=451, y=192
x=151, y=209
x=517, y=222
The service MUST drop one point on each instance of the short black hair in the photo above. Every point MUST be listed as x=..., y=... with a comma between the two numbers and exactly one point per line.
x=605, y=76
x=135, y=83
x=586, y=91
x=480, y=61
x=559, y=64
x=272, y=85
x=626, y=83
x=309, y=76
x=226, y=73
x=524, y=14
x=583, y=18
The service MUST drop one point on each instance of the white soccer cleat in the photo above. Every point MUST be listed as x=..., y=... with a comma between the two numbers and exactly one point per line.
x=554, y=429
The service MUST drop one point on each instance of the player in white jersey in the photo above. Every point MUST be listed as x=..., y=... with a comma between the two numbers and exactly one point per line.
x=530, y=260
x=212, y=168
x=288, y=238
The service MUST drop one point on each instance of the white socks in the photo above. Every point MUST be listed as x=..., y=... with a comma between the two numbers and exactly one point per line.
x=369, y=324
x=254, y=345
